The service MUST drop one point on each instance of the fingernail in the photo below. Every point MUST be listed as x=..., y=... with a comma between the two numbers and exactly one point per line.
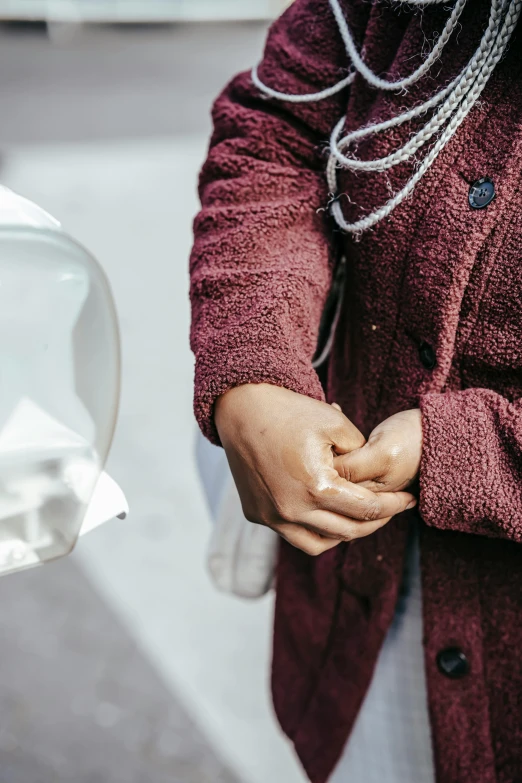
x=411, y=505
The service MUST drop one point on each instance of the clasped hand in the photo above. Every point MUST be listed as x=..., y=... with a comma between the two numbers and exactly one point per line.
x=303, y=469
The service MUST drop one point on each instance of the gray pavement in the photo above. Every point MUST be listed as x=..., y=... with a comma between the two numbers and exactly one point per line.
x=78, y=699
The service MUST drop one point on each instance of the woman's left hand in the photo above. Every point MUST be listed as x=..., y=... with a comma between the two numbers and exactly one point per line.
x=390, y=459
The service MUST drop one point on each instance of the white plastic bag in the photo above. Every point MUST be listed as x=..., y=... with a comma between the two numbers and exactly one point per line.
x=241, y=556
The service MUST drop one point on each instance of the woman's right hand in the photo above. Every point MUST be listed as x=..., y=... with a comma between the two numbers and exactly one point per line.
x=281, y=448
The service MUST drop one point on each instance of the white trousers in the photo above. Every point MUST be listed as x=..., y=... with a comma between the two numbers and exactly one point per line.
x=391, y=739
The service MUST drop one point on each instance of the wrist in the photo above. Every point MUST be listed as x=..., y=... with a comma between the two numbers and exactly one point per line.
x=236, y=405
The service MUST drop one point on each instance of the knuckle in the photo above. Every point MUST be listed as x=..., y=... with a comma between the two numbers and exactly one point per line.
x=251, y=516
x=395, y=453
x=284, y=512
x=249, y=512
x=315, y=491
x=372, y=510
x=339, y=429
x=314, y=549
x=345, y=470
x=256, y=516
x=349, y=534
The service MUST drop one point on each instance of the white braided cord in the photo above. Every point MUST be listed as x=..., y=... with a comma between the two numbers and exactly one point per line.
x=382, y=84
x=464, y=107
x=455, y=101
x=454, y=92
x=405, y=152
x=308, y=97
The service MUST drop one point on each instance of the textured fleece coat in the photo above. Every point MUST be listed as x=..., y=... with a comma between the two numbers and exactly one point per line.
x=436, y=273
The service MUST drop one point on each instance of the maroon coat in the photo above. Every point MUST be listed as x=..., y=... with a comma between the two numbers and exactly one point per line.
x=437, y=280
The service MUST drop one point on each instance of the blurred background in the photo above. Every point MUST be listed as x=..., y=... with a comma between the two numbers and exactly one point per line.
x=121, y=664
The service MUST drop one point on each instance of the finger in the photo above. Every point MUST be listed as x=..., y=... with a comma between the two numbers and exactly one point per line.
x=337, y=407
x=334, y=493
x=375, y=467
x=306, y=540
x=336, y=526
x=369, y=464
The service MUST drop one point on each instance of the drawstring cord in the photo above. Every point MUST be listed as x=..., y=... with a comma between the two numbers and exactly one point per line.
x=455, y=101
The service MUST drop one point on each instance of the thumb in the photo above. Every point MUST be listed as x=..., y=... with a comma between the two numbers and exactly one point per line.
x=362, y=465
x=345, y=436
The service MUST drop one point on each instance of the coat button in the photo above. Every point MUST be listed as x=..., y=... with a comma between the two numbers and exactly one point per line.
x=481, y=193
x=452, y=663
x=427, y=356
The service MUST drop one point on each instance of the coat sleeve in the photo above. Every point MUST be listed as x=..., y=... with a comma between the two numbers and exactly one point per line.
x=261, y=262
x=471, y=468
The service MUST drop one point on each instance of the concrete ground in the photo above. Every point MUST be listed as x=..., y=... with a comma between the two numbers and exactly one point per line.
x=121, y=663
